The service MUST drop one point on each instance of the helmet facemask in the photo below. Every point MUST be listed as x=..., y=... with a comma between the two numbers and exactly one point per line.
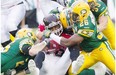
x=92, y=4
x=65, y=18
x=53, y=23
x=55, y=27
x=75, y=17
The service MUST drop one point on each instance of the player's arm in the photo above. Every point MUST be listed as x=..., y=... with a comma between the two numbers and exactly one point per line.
x=103, y=20
x=74, y=39
x=37, y=48
x=27, y=47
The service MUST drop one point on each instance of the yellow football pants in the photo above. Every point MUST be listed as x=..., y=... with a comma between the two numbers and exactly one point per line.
x=103, y=54
x=109, y=32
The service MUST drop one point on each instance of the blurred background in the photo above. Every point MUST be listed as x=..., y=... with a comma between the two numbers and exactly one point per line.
x=31, y=18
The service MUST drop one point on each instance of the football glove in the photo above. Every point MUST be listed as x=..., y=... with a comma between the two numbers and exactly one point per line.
x=47, y=33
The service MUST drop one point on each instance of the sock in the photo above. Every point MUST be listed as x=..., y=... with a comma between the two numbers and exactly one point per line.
x=87, y=72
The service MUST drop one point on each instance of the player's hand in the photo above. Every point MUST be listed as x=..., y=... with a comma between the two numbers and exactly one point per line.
x=46, y=33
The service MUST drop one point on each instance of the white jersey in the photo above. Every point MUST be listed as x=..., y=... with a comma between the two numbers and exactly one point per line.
x=54, y=65
x=9, y=3
x=48, y=65
x=12, y=14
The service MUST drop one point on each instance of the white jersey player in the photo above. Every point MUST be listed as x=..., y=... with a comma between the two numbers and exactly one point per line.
x=12, y=12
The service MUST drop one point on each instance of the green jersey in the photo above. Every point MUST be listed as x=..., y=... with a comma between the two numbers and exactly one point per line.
x=100, y=9
x=88, y=30
x=14, y=51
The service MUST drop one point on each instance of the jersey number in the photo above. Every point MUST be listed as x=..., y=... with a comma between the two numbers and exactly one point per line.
x=85, y=22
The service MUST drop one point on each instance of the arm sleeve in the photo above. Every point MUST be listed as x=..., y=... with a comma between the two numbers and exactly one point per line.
x=25, y=45
x=26, y=48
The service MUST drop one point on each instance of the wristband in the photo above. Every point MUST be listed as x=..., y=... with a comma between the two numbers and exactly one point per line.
x=55, y=37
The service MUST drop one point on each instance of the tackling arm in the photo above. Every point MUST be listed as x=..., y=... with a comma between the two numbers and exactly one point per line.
x=74, y=39
x=36, y=48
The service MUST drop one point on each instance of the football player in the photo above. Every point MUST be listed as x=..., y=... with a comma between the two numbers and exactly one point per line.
x=100, y=11
x=65, y=18
x=55, y=58
x=94, y=45
x=17, y=53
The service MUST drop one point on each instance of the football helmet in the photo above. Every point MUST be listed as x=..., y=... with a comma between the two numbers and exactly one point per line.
x=80, y=11
x=53, y=23
x=65, y=17
x=92, y=4
x=92, y=0
x=26, y=32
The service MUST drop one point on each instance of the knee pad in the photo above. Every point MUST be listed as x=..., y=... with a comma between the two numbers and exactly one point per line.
x=100, y=69
x=77, y=64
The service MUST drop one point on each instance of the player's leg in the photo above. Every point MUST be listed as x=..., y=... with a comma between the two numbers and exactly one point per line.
x=74, y=52
x=84, y=61
x=32, y=67
x=36, y=64
x=109, y=32
x=99, y=68
x=76, y=65
x=5, y=39
x=63, y=63
x=40, y=57
x=106, y=56
x=15, y=16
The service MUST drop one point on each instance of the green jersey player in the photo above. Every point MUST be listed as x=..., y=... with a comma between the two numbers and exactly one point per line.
x=17, y=53
x=94, y=45
x=99, y=10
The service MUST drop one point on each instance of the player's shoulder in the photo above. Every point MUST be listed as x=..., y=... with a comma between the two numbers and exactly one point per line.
x=26, y=40
x=101, y=3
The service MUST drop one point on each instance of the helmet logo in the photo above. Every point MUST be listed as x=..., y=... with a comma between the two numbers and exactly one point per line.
x=84, y=11
x=29, y=34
